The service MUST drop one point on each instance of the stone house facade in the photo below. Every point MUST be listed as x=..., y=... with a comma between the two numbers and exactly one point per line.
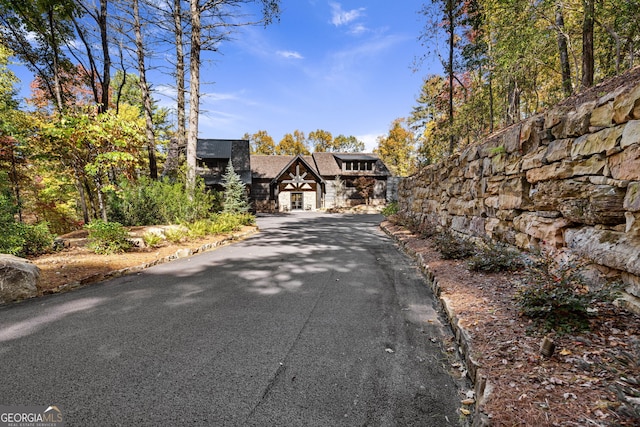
x=294, y=183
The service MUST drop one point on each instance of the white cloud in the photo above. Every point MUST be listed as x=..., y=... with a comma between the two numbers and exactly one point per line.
x=342, y=17
x=289, y=54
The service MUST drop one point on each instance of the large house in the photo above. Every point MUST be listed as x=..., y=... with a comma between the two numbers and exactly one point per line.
x=290, y=183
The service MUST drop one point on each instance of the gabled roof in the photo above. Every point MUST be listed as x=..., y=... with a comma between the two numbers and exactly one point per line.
x=307, y=164
x=323, y=165
x=326, y=164
x=330, y=164
x=268, y=167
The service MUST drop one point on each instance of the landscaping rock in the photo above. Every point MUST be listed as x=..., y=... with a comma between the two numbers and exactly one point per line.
x=18, y=278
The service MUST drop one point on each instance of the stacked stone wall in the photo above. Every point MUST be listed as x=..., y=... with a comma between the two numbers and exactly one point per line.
x=568, y=179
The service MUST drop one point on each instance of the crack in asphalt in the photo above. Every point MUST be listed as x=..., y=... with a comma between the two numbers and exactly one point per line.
x=283, y=367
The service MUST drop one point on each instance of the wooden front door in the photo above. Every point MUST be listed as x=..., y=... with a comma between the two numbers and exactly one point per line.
x=296, y=201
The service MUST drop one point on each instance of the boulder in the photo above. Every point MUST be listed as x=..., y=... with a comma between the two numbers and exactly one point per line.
x=626, y=165
x=18, y=278
x=601, y=142
x=609, y=248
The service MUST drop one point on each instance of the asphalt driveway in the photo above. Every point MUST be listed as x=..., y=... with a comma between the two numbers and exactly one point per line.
x=318, y=320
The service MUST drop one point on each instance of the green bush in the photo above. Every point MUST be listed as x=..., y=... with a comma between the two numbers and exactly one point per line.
x=556, y=296
x=11, y=240
x=21, y=239
x=452, y=246
x=175, y=234
x=37, y=239
x=107, y=237
x=152, y=240
x=199, y=229
x=149, y=202
x=390, y=209
x=493, y=256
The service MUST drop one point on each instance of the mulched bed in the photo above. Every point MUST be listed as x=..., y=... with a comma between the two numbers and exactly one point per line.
x=592, y=378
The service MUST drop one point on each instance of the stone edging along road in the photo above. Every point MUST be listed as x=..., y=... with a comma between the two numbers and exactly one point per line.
x=482, y=386
x=181, y=253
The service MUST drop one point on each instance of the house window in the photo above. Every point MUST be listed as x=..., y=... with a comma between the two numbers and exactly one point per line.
x=347, y=165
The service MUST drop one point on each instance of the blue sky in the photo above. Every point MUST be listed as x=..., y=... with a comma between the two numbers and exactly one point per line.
x=341, y=66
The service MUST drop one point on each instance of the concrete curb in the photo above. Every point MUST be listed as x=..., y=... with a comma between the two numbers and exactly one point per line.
x=481, y=384
x=181, y=253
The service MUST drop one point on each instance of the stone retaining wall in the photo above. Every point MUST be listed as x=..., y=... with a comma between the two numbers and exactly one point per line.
x=567, y=179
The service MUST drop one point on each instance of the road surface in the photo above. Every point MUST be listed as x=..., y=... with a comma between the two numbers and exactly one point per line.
x=318, y=320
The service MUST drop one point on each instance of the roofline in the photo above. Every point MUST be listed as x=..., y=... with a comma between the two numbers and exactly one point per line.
x=316, y=174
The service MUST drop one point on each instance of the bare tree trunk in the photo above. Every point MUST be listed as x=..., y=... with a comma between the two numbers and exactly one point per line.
x=194, y=93
x=564, y=52
x=56, y=66
x=106, y=58
x=146, y=95
x=83, y=201
x=587, y=43
x=180, y=140
x=450, y=71
x=491, y=110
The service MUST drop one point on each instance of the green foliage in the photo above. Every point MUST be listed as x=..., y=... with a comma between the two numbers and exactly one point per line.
x=21, y=239
x=493, y=256
x=390, y=209
x=37, y=239
x=235, y=193
x=397, y=149
x=11, y=241
x=152, y=240
x=557, y=297
x=107, y=237
x=199, y=228
x=452, y=246
x=175, y=234
x=219, y=223
x=149, y=202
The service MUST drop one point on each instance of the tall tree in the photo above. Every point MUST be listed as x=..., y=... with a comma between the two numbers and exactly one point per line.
x=235, y=192
x=261, y=143
x=211, y=23
x=397, y=149
x=36, y=32
x=587, y=42
x=347, y=144
x=447, y=16
x=563, y=50
x=321, y=140
x=292, y=144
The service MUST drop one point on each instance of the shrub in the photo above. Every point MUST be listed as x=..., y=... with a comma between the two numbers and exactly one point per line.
x=107, y=237
x=175, y=234
x=390, y=209
x=37, y=239
x=556, y=296
x=152, y=240
x=149, y=202
x=493, y=256
x=11, y=240
x=199, y=228
x=21, y=239
x=452, y=246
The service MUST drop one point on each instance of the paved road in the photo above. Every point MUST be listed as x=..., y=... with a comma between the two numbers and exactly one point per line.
x=316, y=321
